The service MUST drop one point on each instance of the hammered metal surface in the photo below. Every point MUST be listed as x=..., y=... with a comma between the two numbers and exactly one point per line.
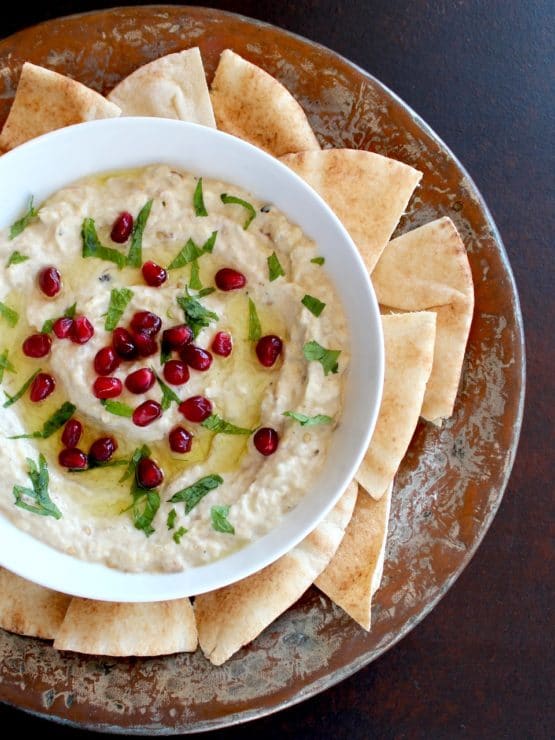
x=450, y=483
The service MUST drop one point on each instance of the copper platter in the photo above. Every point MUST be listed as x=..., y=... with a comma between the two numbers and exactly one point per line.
x=452, y=481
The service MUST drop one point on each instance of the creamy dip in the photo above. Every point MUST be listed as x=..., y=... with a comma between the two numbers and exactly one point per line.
x=97, y=523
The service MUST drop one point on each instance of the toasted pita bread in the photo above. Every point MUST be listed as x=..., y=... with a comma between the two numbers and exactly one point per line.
x=368, y=192
x=45, y=101
x=428, y=269
x=233, y=616
x=29, y=609
x=355, y=572
x=107, y=628
x=173, y=86
x=253, y=105
x=409, y=350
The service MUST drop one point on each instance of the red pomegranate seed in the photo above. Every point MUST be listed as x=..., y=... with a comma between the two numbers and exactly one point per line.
x=266, y=440
x=222, y=344
x=153, y=274
x=81, y=330
x=146, y=413
x=228, y=279
x=50, y=281
x=268, y=349
x=37, y=345
x=196, y=408
x=73, y=459
x=146, y=321
x=72, y=433
x=149, y=474
x=102, y=449
x=123, y=343
x=140, y=381
x=196, y=357
x=41, y=387
x=107, y=387
x=122, y=228
x=176, y=337
x=62, y=327
x=106, y=361
x=180, y=440
x=145, y=343
x=176, y=372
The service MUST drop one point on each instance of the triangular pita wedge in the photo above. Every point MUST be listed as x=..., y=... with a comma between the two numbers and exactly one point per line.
x=173, y=86
x=428, y=269
x=355, y=572
x=253, y=105
x=409, y=350
x=107, y=628
x=29, y=609
x=45, y=101
x=233, y=616
x=368, y=192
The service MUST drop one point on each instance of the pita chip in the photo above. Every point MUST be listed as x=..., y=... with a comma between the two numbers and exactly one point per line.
x=355, y=572
x=428, y=269
x=409, y=351
x=108, y=628
x=45, y=101
x=367, y=192
x=253, y=105
x=233, y=616
x=173, y=86
x=29, y=609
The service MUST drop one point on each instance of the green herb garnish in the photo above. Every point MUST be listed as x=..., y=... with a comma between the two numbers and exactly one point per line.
x=43, y=504
x=21, y=391
x=93, y=248
x=218, y=425
x=240, y=202
x=196, y=316
x=308, y=421
x=16, y=258
x=192, y=251
x=208, y=245
x=206, y=291
x=326, y=357
x=318, y=260
x=135, y=256
x=52, y=424
x=274, y=267
x=9, y=314
x=24, y=221
x=172, y=516
x=177, y=535
x=168, y=396
x=220, y=523
x=313, y=304
x=117, y=408
x=195, y=493
x=119, y=299
x=255, y=330
x=140, y=452
x=198, y=200
x=69, y=313
x=145, y=503
x=5, y=364
x=194, y=281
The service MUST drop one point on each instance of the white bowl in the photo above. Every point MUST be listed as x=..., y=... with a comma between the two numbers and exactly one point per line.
x=45, y=165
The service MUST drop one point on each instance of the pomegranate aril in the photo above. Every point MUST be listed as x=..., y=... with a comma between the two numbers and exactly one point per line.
x=176, y=337
x=196, y=408
x=176, y=372
x=266, y=440
x=146, y=413
x=81, y=330
x=228, y=279
x=72, y=433
x=123, y=343
x=62, y=327
x=50, y=281
x=180, y=440
x=106, y=361
x=102, y=449
x=222, y=344
x=73, y=458
x=148, y=475
x=107, y=387
x=145, y=343
x=153, y=274
x=196, y=357
x=146, y=321
x=268, y=349
x=41, y=387
x=140, y=381
x=37, y=345
x=122, y=228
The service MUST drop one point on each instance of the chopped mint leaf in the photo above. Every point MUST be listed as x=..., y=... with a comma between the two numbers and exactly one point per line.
x=93, y=248
x=42, y=503
x=218, y=425
x=192, y=251
x=208, y=245
x=8, y=314
x=119, y=299
x=118, y=408
x=206, y=291
x=140, y=452
x=178, y=534
x=220, y=523
x=16, y=258
x=326, y=357
x=172, y=516
x=313, y=304
x=167, y=394
x=194, y=282
x=21, y=391
x=135, y=256
x=145, y=507
x=195, y=493
x=52, y=424
x=69, y=313
x=255, y=330
x=318, y=260
x=240, y=202
x=24, y=221
x=198, y=200
x=274, y=267
x=308, y=421
x=196, y=316
x=5, y=364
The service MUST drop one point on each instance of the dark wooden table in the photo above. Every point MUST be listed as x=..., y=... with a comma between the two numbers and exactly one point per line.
x=481, y=73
